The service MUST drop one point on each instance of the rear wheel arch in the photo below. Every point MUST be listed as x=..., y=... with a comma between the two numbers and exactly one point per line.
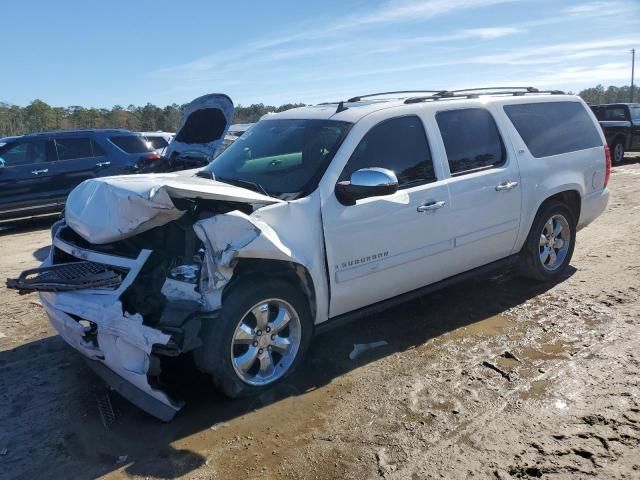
x=571, y=198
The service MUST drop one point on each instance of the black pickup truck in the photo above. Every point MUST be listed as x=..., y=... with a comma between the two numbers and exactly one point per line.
x=621, y=125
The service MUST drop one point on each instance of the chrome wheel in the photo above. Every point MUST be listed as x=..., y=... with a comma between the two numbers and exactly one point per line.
x=555, y=240
x=265, y=342
x=618, y=153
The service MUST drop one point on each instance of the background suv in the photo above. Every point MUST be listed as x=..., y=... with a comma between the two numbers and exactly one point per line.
x=37, y=171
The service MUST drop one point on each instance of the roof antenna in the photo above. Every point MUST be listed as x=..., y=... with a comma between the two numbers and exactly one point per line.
x=341, y=107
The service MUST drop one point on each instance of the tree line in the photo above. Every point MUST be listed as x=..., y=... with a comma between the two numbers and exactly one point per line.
x=39, y=116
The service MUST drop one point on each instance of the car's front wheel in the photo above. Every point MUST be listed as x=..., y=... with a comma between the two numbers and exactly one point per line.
x=549, y=246
x=260, y=337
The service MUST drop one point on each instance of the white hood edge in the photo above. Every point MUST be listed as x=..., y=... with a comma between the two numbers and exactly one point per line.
x=104, y=210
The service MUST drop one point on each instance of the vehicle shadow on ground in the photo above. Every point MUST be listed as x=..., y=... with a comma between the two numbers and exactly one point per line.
x=88, y=448
x=42, y=253
x=629, y=160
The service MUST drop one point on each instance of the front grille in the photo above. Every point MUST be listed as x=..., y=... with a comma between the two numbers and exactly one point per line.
x=68, y=277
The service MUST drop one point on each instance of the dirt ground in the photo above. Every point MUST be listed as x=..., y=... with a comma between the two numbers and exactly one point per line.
x=493, y=378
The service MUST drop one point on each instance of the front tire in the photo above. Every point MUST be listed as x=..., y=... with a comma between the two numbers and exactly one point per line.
x=261, y=336
x=549, y=246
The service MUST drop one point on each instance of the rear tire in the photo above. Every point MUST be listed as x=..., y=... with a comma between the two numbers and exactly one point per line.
x=246, y=353
x=617, y=152
x=549, y=246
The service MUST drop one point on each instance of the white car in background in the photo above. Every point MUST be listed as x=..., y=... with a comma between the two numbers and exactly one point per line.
x=235, y=132
x=159, y=140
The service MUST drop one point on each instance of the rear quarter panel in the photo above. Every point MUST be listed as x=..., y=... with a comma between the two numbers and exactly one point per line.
x=580, y=171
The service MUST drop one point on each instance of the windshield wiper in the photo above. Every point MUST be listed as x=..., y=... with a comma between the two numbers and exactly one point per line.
x=245, y=183
x=256, y=187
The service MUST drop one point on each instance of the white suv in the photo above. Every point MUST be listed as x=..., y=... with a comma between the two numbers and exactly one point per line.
x=315, y=216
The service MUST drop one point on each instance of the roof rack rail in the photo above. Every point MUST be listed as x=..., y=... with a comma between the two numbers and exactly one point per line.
x=360, y=97
x=515, y=91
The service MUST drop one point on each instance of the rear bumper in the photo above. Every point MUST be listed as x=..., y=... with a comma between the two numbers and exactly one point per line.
x=593, y=205
x=118, y=347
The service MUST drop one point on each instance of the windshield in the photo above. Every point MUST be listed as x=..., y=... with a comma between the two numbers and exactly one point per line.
x=285, y=158
x=635, y=114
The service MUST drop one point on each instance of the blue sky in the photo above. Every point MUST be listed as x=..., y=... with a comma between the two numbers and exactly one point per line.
x=121, y=52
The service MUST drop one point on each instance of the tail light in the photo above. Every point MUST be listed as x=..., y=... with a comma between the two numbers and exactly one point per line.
x=607, y=172
x=152, y=156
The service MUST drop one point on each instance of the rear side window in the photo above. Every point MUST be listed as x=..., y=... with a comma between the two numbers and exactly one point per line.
x=398, y=144
x=70, y=148
x=157, y=142
x=610, y=113
x=553, y=128
x=471, y=140
x=98, y=151
x=131, y=143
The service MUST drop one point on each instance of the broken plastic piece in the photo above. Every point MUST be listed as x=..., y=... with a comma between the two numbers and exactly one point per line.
x=360, y=348
x=65, y=277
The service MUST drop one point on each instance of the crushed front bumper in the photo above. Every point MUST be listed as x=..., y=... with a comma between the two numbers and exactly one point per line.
x=118, y=345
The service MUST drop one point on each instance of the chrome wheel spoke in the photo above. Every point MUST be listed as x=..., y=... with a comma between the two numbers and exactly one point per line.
x=557, y=228
x=244, y=335
x=281, y=320
x=549, y=227
x=261, y=313
x=280, y=344
x=544, y=255
x=247, y=359
x=266, y=364
x=543, y=240
x=553, y=258
x=558, y=243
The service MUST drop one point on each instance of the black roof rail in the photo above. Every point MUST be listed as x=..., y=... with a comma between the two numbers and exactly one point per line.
x=526, y=89
x=515, y=91
x=360, y=97
x=77, y=130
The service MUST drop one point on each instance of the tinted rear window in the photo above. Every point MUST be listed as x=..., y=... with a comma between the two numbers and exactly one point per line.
x=76, y=147
x=157, y=142
x=553, y=128
x=131, y=143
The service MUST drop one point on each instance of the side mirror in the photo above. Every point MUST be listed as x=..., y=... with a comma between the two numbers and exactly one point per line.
x=365, y=183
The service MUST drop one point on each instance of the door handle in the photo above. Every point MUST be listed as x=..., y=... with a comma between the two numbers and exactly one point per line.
x=38, y=172
x=506, y=186
x=103, y=164
x=431, y=206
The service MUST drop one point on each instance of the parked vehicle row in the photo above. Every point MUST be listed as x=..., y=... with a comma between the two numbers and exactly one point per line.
x=621, y=125
x=39, y=170
x=316, y=216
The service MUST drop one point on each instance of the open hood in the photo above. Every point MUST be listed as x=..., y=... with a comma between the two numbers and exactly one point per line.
x=108, y=209
x=203, y=127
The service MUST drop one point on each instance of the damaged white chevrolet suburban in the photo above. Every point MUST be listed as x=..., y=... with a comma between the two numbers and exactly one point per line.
x=315, y=215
